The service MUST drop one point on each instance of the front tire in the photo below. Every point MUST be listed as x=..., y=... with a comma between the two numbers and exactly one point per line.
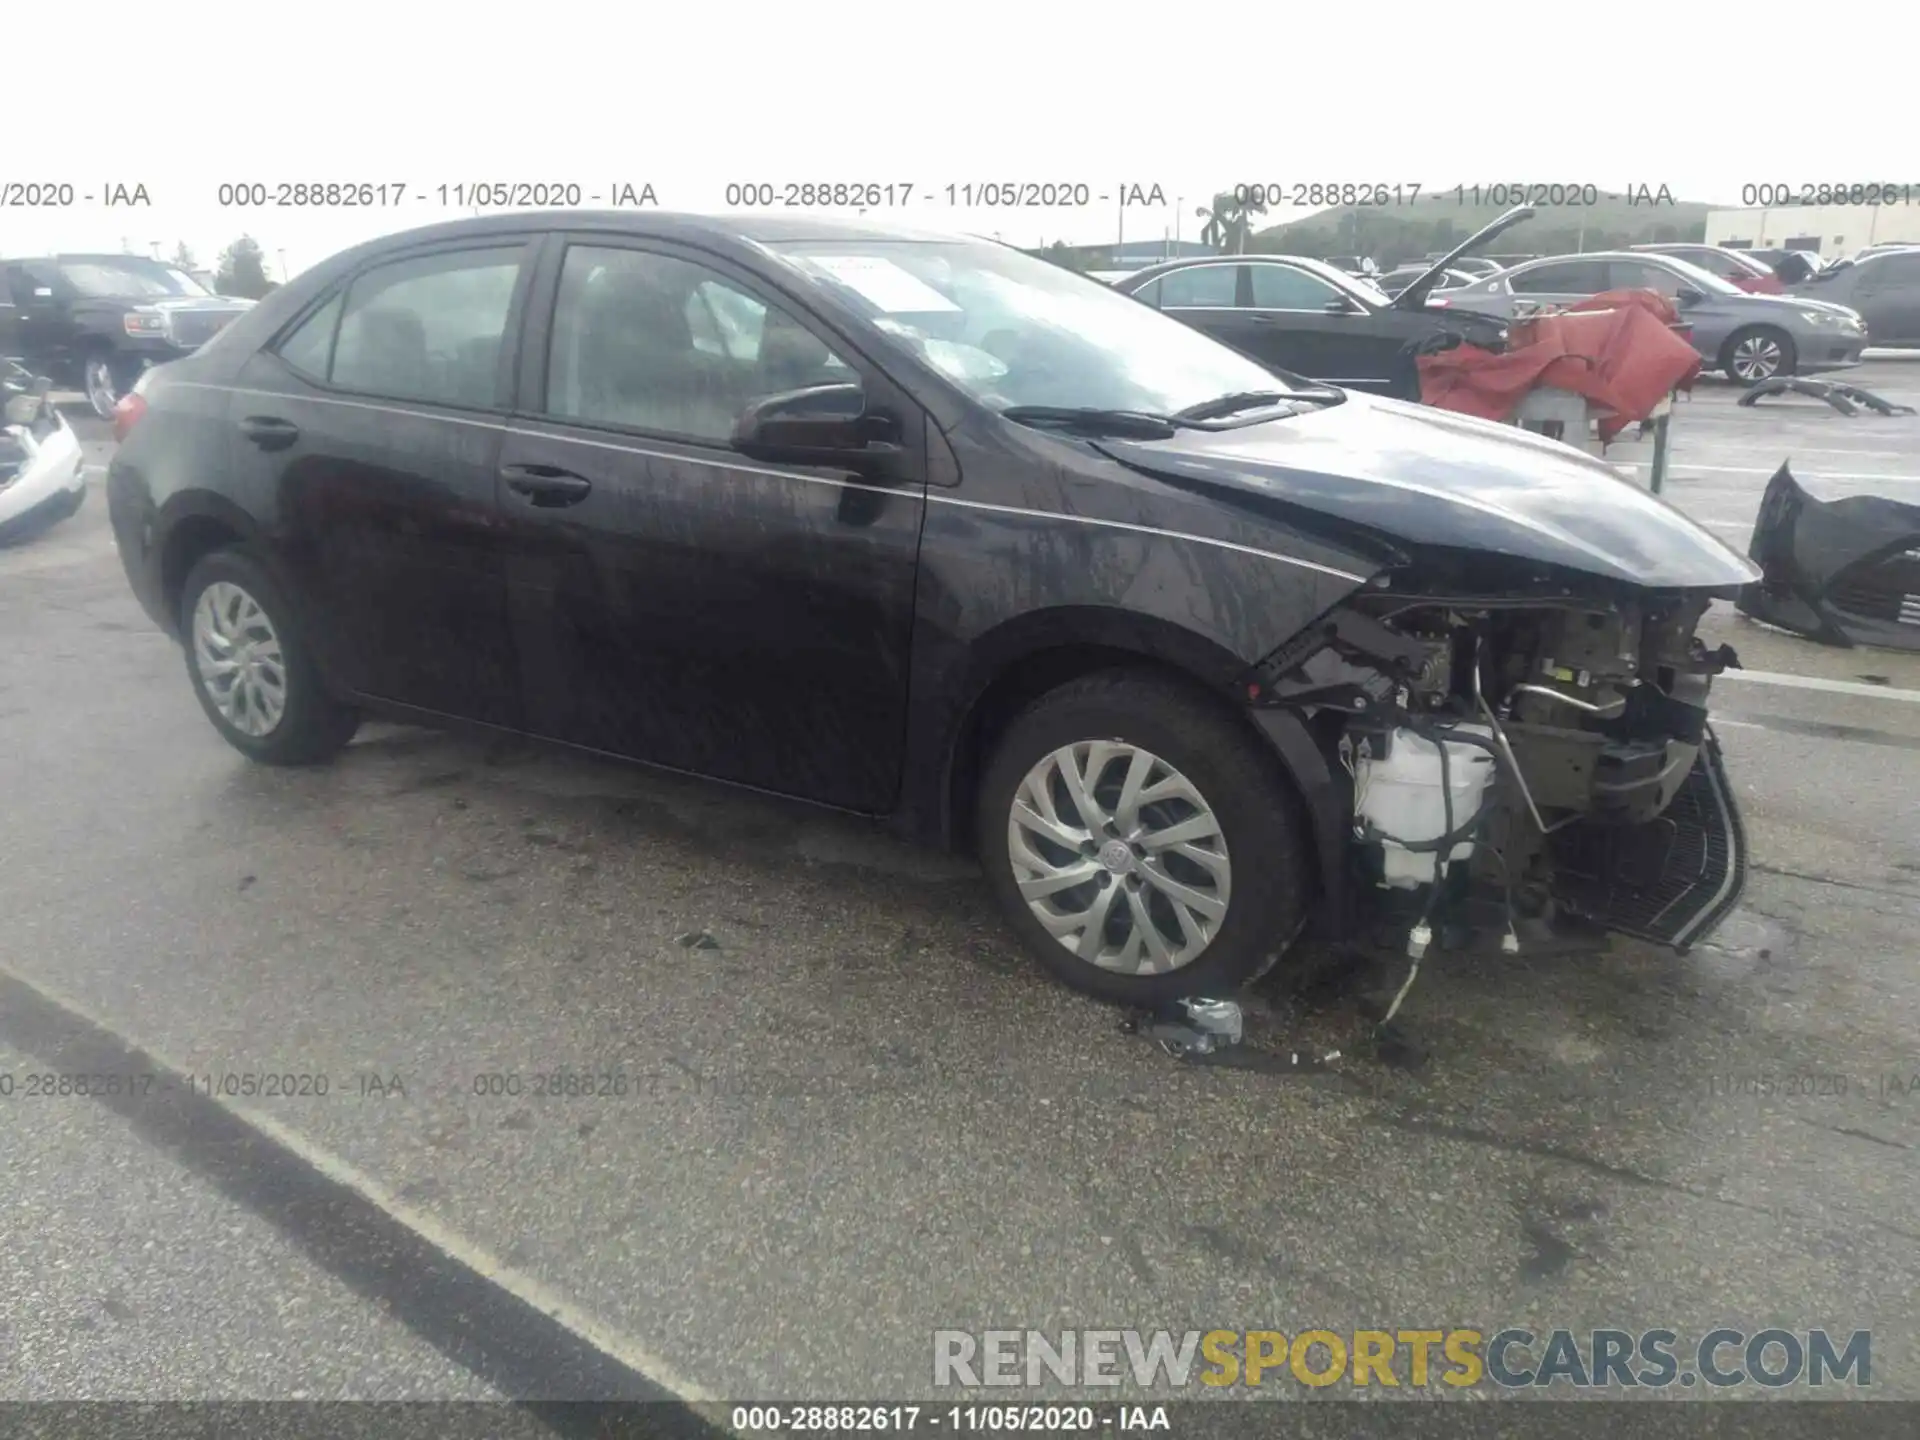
x=251, y=669
x=1142, y=842
x=1758, y=353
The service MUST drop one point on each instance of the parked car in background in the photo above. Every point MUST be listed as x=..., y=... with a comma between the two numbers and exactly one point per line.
x=42, y=480
x=1399, y=278
x=1478, y=266
x=1750, y=337
x=951, y=536
x=1305, y=317
x=1360, y=265
x=94, y=322
x=1744, y=271
x=1883, y=286
x=1792, y=266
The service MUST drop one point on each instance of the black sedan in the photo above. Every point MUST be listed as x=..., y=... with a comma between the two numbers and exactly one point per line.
x=1306, y=317
x=932, y=530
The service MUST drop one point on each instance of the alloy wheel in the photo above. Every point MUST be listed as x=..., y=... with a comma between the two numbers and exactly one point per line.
x=1119, y=857
x=1757, y=358
x=239, y=659
x=102, y=393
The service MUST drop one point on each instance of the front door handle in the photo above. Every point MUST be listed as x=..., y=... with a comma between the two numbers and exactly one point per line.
x=546, y=486
x=269, y=432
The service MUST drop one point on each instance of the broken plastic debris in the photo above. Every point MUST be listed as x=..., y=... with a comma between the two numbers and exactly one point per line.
x=699, y=940
x=1192, y=1026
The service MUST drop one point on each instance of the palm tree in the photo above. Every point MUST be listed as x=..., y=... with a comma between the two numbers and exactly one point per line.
x=1230, y=221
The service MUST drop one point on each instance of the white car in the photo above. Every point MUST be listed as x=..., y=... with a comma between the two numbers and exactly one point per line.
x=42, y=481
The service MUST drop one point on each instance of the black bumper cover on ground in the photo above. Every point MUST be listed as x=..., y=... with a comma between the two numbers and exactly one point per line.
x=1671, y=880
x=1844, y=572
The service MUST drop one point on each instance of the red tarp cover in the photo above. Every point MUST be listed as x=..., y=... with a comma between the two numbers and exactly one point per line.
x=1616, y=349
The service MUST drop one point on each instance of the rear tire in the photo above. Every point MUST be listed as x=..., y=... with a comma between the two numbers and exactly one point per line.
x=251, y=669
x=105, y=377
x=1210, y=855
x=1758, y=353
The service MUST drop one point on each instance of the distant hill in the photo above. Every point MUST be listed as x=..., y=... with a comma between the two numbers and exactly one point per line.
x=1396, y=234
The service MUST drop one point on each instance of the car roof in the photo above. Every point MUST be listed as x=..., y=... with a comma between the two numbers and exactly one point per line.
x=754, y=227
x=1193, y=261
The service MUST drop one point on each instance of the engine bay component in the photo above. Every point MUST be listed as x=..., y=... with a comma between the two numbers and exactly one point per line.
x=1545, y=752
x=1843, y=572
x=1412, y=792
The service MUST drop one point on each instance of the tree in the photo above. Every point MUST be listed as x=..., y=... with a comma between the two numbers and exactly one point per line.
x=242, y=270
x=1230, y=221
x=183, y=258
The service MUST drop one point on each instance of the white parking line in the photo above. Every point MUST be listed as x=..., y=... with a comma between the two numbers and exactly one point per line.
x=597, y=1332
x=1815, y=682
x=1678, y=468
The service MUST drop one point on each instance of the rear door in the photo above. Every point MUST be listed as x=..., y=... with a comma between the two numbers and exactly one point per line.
x=1558, y=282
x=371, y=430
x=674, y=601
x=1212, y=296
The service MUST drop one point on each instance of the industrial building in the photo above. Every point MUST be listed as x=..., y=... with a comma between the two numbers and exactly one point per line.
x=1829, y=230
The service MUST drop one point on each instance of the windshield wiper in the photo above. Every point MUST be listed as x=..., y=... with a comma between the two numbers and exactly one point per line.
x=1091, y=420
x=1223, y=405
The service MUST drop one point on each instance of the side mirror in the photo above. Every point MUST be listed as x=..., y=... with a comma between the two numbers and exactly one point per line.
x=820, y=425
x=1687, y=295
x=1337, y=307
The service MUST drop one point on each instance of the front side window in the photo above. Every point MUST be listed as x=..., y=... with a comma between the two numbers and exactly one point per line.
x=309, y=349
x=428, y=328
x=1281, y=287
x=651, y=342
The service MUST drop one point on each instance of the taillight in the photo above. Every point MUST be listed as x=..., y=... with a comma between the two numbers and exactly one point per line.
x=129, y=412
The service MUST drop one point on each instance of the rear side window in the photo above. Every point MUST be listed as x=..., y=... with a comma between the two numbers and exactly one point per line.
x=1202, y=287
x=429, y=329
x=1580, y=277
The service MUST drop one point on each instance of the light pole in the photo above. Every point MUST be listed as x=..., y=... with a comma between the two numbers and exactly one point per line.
x=1179, y=204
x=284, y=277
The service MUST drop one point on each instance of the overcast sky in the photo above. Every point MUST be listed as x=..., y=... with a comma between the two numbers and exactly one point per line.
x=1701, y=98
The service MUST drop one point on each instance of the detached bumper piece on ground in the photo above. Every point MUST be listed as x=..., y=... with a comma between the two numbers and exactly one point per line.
x=1847, y=399
x=1843, y=572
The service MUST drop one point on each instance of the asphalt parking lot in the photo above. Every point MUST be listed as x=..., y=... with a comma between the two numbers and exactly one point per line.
x=853, y=1114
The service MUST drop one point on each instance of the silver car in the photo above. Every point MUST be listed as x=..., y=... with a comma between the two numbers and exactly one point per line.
x=1750, y=337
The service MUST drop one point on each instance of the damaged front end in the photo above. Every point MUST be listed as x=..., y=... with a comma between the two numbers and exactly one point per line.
x=1843, y=572
x=1528, y=752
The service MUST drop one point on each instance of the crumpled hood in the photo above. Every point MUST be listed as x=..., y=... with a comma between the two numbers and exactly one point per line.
x=1432, y=477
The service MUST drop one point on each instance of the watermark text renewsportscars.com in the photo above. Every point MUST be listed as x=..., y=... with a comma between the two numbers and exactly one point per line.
x=1404, y=1358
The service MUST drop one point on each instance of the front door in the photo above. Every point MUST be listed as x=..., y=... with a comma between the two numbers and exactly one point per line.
x=1331, y=335
x=1887, y=295
x=372, y=429
x=676, y=602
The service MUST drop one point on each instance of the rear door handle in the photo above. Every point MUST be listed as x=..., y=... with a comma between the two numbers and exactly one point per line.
x=269, y=432
x=547, y=486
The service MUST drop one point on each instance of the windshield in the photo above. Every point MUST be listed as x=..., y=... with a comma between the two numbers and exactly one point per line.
x=109, y=278
x=1704, y=281
x=1012, y=330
